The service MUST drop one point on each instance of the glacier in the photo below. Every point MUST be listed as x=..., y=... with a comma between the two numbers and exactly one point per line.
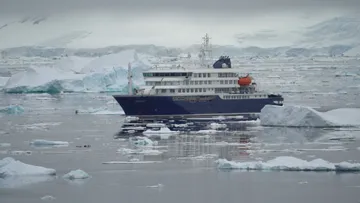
x=74, y=74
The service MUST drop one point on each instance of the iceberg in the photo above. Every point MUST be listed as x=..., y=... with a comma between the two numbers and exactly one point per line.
x=288, y=163
x=12, y=110
x=40, y=142
x=301, y=116
x=76, y=174
x=102, y=74
x=11, y=167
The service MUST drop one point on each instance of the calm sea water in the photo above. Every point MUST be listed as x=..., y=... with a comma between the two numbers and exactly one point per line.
x=182, y=178
x=324, y=85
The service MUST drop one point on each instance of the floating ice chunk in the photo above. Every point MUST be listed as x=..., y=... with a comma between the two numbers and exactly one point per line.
x=76, y=174
x=155, y=125
x=141, y=141
x=216, y=126
x=156, y=186
x=300, y=116
x=164, y=133
x=286, y=163
x=40, y=142
x=48, y=198
x=12, y=110
x=11, y=167
x=131, y=118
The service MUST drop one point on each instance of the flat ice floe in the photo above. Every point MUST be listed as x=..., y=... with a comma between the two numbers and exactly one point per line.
x=12, y=167
x=126, y=151
x=41, y=142
x=288, y=163
x=301, y=116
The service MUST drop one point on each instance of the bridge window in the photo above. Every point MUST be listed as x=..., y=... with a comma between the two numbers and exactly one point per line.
x=196, y=90
x=163, y=91
x=172, y=91
x=199, y=75
x=187, y=90
x=204, y=90
x=192, y=90
x=196, y=82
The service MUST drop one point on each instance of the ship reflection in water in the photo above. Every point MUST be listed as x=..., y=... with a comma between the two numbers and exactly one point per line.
x=240, y=141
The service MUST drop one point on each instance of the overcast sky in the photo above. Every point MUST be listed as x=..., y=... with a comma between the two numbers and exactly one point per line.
x=156, y=21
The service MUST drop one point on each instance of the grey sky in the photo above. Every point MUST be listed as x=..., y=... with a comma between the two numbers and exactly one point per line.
x=217, y=7
x=165, y=22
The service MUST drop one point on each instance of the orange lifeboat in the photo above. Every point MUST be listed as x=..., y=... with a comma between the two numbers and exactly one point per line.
x=244, y=81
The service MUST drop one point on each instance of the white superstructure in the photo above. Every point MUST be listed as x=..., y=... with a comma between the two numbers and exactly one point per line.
x=201, y=79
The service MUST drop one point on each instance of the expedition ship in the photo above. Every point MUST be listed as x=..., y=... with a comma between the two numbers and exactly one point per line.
x=215, y=90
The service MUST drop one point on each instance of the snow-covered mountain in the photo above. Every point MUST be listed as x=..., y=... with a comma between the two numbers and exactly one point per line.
x=49, y=37
x=343, y=31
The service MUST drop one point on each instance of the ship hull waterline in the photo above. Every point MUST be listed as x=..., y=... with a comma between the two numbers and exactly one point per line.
x=189, y=105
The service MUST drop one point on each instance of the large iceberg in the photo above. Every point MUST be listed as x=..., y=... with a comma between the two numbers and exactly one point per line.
x=103, y=74
x=287, y=163
x=11, y=167
x=301, y=116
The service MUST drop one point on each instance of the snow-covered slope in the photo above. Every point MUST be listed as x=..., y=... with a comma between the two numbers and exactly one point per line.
x=337, y=31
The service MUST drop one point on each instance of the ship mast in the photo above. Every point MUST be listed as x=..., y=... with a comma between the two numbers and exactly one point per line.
x=130, y=79
x=205, y=51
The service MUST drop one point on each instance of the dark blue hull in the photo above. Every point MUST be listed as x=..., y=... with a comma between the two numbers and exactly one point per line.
x=192, y=105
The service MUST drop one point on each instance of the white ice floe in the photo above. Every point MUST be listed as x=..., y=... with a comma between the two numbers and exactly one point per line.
x=76, y=174
x=155, y=125
x=11, y=167
x=48, y=198
x=156, y=186
x=41, y=142
x=141, y=141
x=287, y=163
x=163, y=133
x=216, y=126
x=131, y=118
x=126, y=151
x=300, y=116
